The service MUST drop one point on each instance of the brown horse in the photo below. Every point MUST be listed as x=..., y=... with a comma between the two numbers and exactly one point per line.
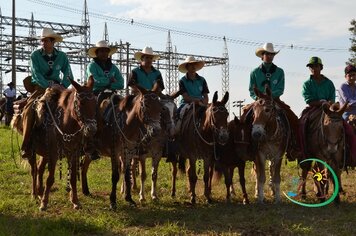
x=325, y=140
x=270, y=135
x=2, y=107
x=235, y=154
x=155, y=150
x=134, y=122
x=60, y=134
x=198, y=140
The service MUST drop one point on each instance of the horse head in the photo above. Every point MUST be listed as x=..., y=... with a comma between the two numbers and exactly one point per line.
x=148, y=109
x=85, y=106
x=265, y=114
x=240, y=132
x=332, y=126
x=169, y=109
x=216, y=118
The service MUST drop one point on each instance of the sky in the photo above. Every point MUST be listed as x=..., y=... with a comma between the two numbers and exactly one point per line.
x=315, y=28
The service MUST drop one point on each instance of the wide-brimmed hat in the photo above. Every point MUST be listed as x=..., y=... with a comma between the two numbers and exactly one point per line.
x=314, y=61
x=10, y=84
x=267, y=47
x=101, y=44
x=349, y=69
x=190, y=60
x=49, y=33
x=146, y=51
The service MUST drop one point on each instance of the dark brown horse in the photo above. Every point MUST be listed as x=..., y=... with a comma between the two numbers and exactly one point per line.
x=235, y=154
x=65, y=125
x=270, y=135
x=325, y=140
x=198, y=140
x=135, y=121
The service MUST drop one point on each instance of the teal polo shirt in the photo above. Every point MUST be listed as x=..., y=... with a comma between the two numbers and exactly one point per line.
x=40, y=68
x=258, y=79
x=313, y=91
x=102, y=78
x=194, y=88
x=146, y=80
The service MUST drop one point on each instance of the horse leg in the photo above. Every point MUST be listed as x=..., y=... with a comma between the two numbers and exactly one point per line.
x=73, y=182
x=115, y=175
x=174, y=178
x=34, y=172
x=135, y=162
x=192, y=177
x=241, y=167
x=143, y=176
x=228, y=182
x=302, y=182
x=84, y=172
x=40, y=171
x=49, y=182
x=208, y=174
x=260, y=178
x=275, y=174
x=127, y=173
x=155, y=163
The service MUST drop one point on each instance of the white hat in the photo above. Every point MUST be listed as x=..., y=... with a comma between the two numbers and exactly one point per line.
x=267, y=47
x=49, y=33
x=101, y=44
x=145, y=51
x=190, y=60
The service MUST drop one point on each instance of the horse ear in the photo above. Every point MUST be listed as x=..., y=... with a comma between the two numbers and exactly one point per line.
x=215, y=98
x=343, y=108
x=325, y=106
x=75, y=84
x=257, y=92
x=236, y=120
x=141, y=89
x=225, y=98
x=90, y=83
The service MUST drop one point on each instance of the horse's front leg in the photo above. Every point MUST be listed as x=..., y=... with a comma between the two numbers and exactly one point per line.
x=50, y=180
x=115, y=175
x=40, y=172
x=156, y=157
x=275, y=176
x=127, y=173
x=241, y=167
x=208, y=172
x=260, y=177
x=174, y=178
x=192, y=178
x=73, y=181
x=34, y=172
x=84, y=171
x=143, y=176
x=302, y=182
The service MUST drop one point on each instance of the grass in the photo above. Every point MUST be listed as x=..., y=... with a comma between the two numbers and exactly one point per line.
x=19, y=213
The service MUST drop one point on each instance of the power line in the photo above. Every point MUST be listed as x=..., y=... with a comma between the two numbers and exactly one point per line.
x=132, y=22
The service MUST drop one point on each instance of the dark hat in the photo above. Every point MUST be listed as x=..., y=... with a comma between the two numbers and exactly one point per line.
x=314, y=60
x=349, y=69
x=10, y=84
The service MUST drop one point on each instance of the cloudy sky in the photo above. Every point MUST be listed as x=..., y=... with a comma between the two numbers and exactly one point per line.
x=315, y=28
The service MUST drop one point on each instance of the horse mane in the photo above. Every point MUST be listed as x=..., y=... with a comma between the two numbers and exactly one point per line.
x=65, y=97
x=127, y=102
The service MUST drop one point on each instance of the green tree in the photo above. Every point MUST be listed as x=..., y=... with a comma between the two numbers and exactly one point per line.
x=352, y=49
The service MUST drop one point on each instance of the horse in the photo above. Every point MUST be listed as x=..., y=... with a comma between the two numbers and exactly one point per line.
x=235, y=154
x=8, y=114
x=134, y=122
x=198, y=140
x=155, y=150
x=68, y=119
x=270, y=135
x=325, y=140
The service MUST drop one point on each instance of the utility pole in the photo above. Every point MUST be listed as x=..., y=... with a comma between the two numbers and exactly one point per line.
x=13, y=45
x=239, y=104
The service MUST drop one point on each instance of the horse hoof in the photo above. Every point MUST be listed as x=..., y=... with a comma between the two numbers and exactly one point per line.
x=155, y=199
x=193, y=201
x=245, y=202
x=130, y=201
x=76, y=206
x=113, y=206
x=43, y=207
x=210, y=201
x=142, y=200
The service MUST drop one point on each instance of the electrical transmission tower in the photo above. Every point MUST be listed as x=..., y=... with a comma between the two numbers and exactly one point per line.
x=225, y=74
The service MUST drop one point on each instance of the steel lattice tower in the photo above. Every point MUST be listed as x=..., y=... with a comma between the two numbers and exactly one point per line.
x=32, y=35
x=169, y=84
x=106, y=33
x=225, y=74
x=85, y=40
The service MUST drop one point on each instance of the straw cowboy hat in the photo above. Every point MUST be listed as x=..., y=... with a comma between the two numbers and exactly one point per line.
x=145, y=51
x=190, y=60
x=49, y=33
x=101, y=44
x=267, y=47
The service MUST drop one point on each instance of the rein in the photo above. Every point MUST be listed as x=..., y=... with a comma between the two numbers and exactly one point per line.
x=197, y=130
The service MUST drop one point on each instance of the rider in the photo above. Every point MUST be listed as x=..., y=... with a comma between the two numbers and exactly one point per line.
x=106, y=76
x=10, y=94
x=269, y=74
x=192, y=87
x=46, y=64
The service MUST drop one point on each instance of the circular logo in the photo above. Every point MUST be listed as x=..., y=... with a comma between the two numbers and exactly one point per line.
x=319, y=178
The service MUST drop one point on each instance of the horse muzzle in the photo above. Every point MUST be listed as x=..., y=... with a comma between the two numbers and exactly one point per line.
x=258, y=132
x=223, y=136
x=90, y=128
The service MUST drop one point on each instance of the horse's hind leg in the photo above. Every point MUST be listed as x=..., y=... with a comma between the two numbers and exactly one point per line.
x=260, y=179
x=192, y=177
x=115, y=175
x=49, y=183
x=73, y=182
x=143, y=176
x=40, y=171
x=84, y=171
x=208, y=173
x=34, y=172
x=174, y=178
x=305, y=169
x=275, y=168
x=155, y=163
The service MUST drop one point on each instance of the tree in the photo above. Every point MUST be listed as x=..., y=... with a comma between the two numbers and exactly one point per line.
x=352, y=49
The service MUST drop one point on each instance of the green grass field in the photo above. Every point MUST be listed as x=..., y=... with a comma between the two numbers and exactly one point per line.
x=20, y=215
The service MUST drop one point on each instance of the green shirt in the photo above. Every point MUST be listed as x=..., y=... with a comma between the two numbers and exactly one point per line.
x=313, y=91
x=258, y=79
x=102, y=77
x=146, y=80
x=194, y=88
x=43, y=72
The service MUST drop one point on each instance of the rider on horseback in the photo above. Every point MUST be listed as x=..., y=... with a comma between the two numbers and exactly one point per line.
x=106, y=77
x=46, y=65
